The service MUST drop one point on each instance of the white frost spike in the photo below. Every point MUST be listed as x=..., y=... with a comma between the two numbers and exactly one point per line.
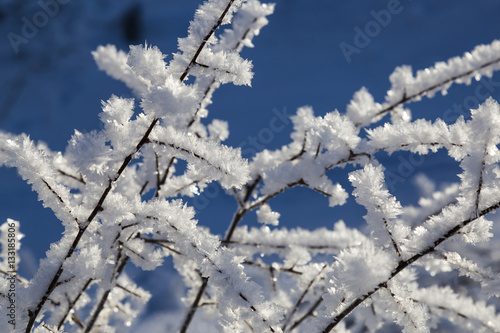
x=224, y=67
x=334, y=132
x=489, y=280
x=382, y=207
x=336, y=194
x=205, y=19
x=267, y=216
x=205, y=157
x=114, y=63
x=480, y=152
x=485, y=119
x=147, y=63
x=89, y=152
x=367, y=260
x=419, y=136
x=400, y=114
x=405, y=87
x=218, y=130
x=412, y=316
x=247, y=23
x=483, y=60
x=220, y=264
x=362, y=109
x=320, y=240
x=116, y=119
x=476, y=232
x=459, y=309
x=318, y=144
x=36, y=167
x=5, y=141
x=171, y=99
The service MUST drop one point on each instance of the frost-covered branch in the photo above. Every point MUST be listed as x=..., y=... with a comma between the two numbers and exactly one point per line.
x=483, y=60
x=401, y=265
x=300, y=299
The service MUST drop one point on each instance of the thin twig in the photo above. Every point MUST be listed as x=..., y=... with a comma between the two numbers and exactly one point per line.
x=120, y=266
x=480, y=181
x=164, y=178
x=205, y=40
x=271, y=268
x=194, y=306
x=71, y=304
x=309, y=313
x=282, y=246
x=421, y=93
x=184, y=150
x=66, y=174
x=402, y=264
x=33, y=313
x=300, y=299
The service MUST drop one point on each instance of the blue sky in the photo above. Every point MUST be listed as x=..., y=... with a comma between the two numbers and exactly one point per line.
x=56, y=87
